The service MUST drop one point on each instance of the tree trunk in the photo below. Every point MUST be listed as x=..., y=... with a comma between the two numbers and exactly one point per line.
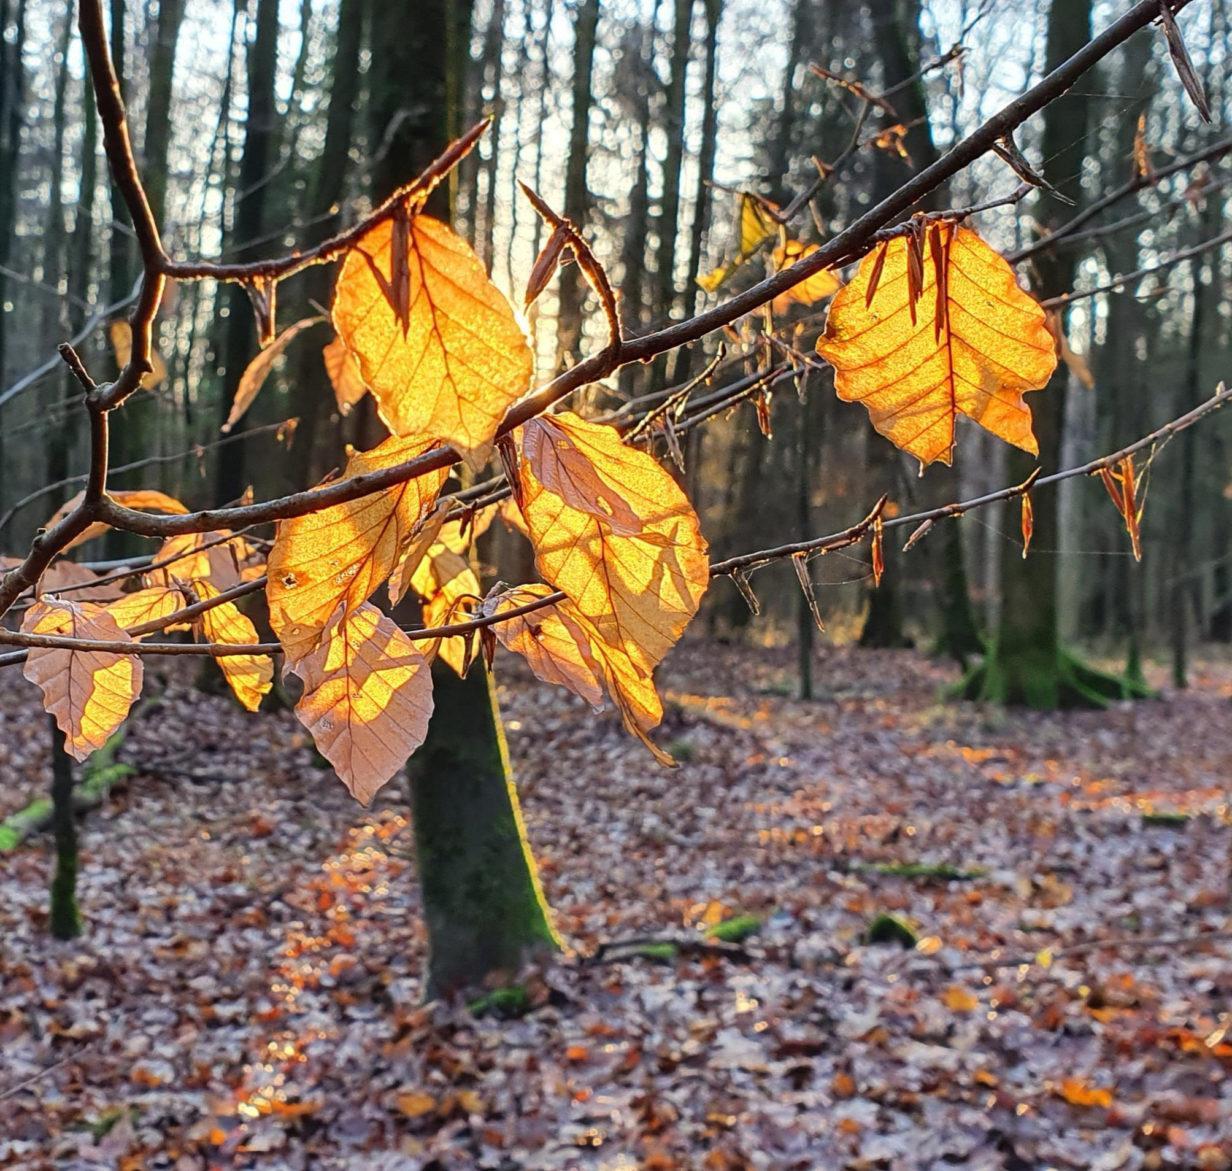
x=12, y=102
x=65, y=921
x=319, y=447
x=239, y=334
x=577, y=194
x=1026, y=663
x=482, y=904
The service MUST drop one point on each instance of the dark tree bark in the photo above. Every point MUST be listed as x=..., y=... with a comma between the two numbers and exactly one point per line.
x=12, y=111
x=313, y=397
x=65, y=920
x=577, y=194
x=482, y=903
x=260, y=140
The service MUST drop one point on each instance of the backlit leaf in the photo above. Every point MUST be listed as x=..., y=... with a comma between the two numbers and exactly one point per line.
x=463, y=358
x=620, y=537
x=344, y=375
x=219, y=557
x=145, y=605
x=143, y=499
x=88, y=692
x=343, y=553
x=258, y=370
x=367, y=698
x=563, y=647
x=249, y=676
x=816, y=288
x=442, y=578
x=754, y=226
x=978, y=343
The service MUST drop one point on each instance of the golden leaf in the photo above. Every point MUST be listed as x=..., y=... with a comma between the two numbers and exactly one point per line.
x=249, y=676
x=985, y=344
x=816, y=288
x=344, y=552
x=122, y=343
x=462, y=358
x=551, y=641
x=258, y=370
x=218, y=557
x=367, y=698
x=88, y=692
x=344, y=375
x=959, y=999
x=145, y=605
x=443, y=577
x=618, y=536
x=561, y=646
x=145, y=499
x=754, y=226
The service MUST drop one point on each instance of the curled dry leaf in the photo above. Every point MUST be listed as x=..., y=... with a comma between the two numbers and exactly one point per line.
x=143, y=499
x=563, y=647
x=249, y=676
x=1028, y=523
x=258, y=370
x=88, y=692
x=367, y=698
x=990, y=346
x=343, y=553
x=344, y=375
x=463, y=357
x=617, y=534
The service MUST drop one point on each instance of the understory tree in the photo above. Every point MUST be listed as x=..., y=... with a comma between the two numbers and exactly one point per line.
x=372, y=596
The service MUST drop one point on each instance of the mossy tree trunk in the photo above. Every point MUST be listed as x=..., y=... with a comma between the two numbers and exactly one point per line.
x=65, y=921
x=483, y=904
x=1026, y=663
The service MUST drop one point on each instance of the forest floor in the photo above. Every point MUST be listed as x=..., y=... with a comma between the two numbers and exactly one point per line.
x=247, y=992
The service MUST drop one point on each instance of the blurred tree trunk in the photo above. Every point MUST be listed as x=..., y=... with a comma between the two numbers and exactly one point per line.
x=701, y=196
x=120, y=274
x=896, y=32
x=54, y=236
x=577, y=194
x=491, y=65
x=320, y=447
x=1026, y=663
x=482, y=903
x=239, y=340
x=12, y=101
x=667, y=221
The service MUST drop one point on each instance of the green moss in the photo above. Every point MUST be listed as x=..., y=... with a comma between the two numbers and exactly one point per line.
x=1045, y=679
x=664, y=953
x=1167, y=820
x=928, y=870
x=736, y=929
x=504, y=1003
x=890, y=929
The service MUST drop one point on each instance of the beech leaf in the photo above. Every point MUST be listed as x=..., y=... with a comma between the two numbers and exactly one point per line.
x=258, y=370
x=249, y=676
x=88, y=692
x=462, y=358
x=983, y=345
x=367, y=698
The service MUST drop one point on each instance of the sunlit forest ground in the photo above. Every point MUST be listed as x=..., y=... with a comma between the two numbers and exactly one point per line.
x=247, y=991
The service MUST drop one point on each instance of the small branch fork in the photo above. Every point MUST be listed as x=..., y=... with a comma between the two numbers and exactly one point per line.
x=95, y=504
x=734, y=567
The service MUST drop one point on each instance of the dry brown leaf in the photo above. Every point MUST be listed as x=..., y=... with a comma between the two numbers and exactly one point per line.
x=344, y=552
x=258, y=370
x=620, y=537
x=344, y=375
x=142, y=499
x=88, y=692
x=985, y=344
x=61, y=574
x=249, y=676
x=462, y=359
x=217, y=557
x=367, y=698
